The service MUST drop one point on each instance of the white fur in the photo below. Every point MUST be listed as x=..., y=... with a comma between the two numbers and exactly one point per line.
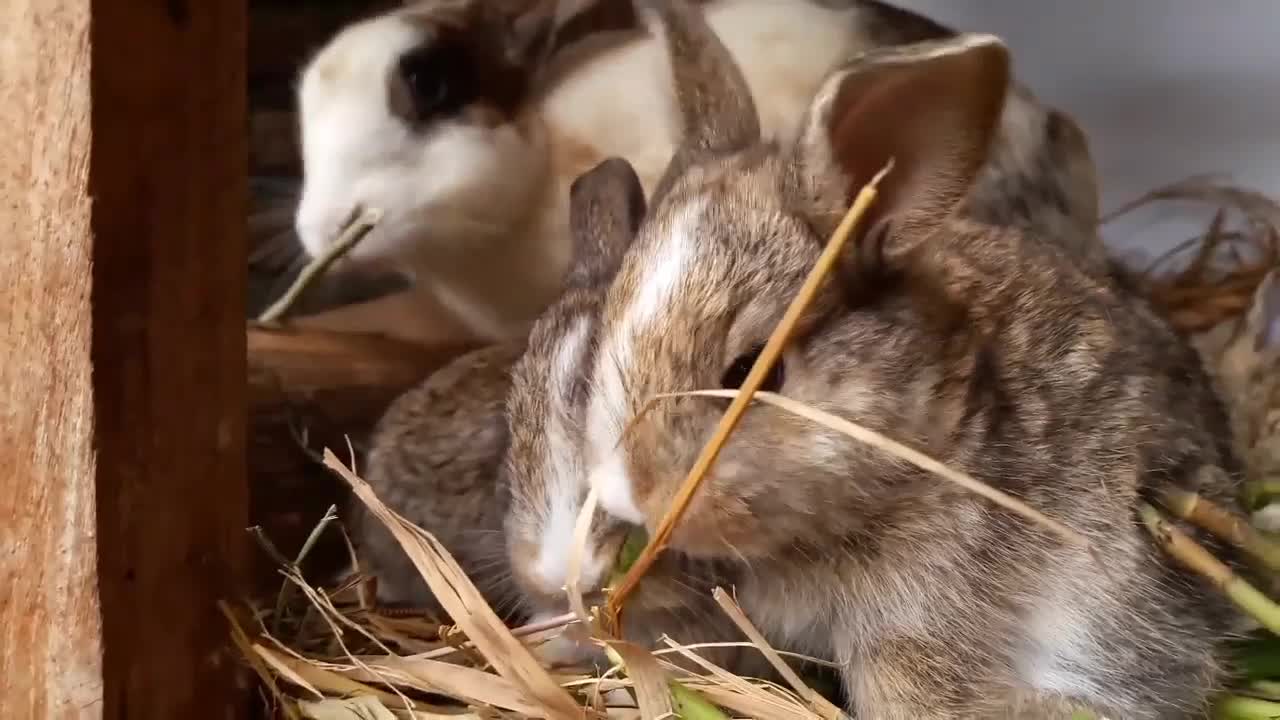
x=671, y=266
x=609, y=407
x=611, y=480
x=479, y=216
x=562, y=472
x=1061, y=641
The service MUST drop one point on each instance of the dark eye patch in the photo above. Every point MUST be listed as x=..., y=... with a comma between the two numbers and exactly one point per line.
x=436, y=80
x=737, y=372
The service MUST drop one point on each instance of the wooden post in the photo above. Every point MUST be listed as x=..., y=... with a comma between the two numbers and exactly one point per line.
x=122, y=380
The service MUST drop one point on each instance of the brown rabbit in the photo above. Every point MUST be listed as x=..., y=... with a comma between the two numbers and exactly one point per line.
x=434, y=458
x=985, y=347
x=605, y=202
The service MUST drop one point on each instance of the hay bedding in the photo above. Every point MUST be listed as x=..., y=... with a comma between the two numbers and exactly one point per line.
x=324, y=653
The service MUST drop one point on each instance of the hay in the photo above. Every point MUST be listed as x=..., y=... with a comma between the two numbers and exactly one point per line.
x=1210, y=279
x=360, y=224
x=326, y=654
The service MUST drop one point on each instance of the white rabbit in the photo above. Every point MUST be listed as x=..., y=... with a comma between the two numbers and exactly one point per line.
x=444, y=116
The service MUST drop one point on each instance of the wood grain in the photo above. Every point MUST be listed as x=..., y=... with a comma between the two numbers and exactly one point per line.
x=51, y=663
x=123, y=198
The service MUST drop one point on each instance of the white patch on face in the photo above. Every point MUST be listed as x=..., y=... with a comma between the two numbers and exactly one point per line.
x=610, y=480
x=670, y=267
x=608, y=410
x=344, y=123
x=562, y=471
x=444, y=191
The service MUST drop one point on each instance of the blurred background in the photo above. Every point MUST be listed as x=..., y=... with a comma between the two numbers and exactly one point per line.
x=1165, y=88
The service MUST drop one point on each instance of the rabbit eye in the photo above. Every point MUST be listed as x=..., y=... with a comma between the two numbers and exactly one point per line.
x=434, y=77
x=741, y=367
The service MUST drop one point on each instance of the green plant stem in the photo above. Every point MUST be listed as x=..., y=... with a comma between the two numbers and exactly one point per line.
x=1224, y=524
x=689, y=703
x=1257, y=657
x=1259, y=493
x=1264, y=689
x=1195, y=557
x=1239, y=707
x=356, y=231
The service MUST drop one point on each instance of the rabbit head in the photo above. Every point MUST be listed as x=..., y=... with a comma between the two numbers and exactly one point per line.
x=732, y=231
x=418, y=113
x=545, y=404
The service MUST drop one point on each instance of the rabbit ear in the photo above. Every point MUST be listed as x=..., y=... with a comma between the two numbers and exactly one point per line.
x=932, y=107
x=1264, y=315
x=606, y=206
x=717, y=112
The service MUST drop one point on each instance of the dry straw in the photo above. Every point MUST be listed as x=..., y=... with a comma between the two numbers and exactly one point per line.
x=361, y=223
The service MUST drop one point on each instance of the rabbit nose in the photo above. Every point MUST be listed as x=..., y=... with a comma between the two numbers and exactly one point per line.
x=318, y=227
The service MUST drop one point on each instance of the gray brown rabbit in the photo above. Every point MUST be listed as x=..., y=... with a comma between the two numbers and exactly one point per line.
x=434, y=458
x=996, y=351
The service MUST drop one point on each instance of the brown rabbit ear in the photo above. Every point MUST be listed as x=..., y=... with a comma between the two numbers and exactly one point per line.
x=606, y=206
x=717, y=112
x=932, y=107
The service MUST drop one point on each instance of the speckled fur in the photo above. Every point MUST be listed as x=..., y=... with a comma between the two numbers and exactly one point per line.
x=999, y=352
x=437, y=459
x=434, y=459
x=606, y=206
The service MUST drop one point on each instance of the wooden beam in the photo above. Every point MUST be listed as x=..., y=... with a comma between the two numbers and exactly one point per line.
x=122, y=419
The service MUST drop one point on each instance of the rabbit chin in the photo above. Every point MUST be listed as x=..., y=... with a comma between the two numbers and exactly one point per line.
x=572, y=647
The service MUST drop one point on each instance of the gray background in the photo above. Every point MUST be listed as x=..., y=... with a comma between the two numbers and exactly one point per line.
x=1164, y=88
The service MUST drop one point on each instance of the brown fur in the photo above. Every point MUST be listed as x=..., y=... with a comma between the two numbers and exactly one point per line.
x=434, y=459
x=606, y=207
x=1001, y=353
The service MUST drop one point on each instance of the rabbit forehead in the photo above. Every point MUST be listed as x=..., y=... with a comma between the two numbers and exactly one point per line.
x=704, y=263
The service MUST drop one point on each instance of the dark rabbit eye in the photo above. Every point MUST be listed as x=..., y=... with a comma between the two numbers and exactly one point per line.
x=436, y=80
x=741, y=367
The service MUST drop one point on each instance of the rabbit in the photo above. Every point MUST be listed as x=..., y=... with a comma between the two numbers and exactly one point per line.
x=992, y=349
x=464, y=122
x=543, y=495
x=434, y=458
